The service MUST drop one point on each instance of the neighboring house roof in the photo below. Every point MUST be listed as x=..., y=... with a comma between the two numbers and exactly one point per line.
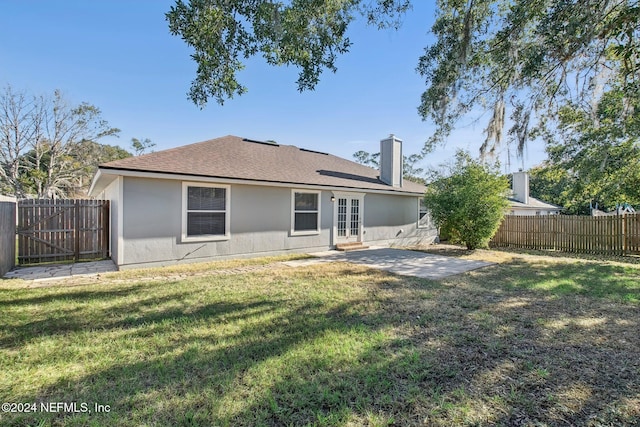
x=533, y=204
x=233, y=157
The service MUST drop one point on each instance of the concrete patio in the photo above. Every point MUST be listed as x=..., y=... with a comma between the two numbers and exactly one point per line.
x=399, y=261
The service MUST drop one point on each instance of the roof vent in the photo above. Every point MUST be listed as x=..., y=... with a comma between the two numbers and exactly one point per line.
x=315, y=152
x=273, y=144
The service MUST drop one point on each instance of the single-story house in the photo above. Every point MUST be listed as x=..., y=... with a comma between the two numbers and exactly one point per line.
x=234, y=197
x=521, y=203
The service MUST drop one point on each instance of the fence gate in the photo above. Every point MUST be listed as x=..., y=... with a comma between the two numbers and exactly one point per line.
x=61, y=230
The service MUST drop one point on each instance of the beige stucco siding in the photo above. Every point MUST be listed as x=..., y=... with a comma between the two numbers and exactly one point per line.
x=259, y=222
x=393, y=220
x=147, y=215
x=111, y=193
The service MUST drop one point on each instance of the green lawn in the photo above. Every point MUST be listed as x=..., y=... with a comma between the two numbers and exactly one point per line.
x=530, y=341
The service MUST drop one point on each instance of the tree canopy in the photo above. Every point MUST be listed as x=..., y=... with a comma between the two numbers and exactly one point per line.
x=594, y=154
x=48, y=147
x=140, y=146
x=522, y=60
x=307, y=34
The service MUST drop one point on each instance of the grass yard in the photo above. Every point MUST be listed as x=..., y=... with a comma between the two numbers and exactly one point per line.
x=531, y=341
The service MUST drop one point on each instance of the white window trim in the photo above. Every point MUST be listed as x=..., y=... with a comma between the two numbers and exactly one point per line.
x=293, y=213
x=418, y=222
x=208, y=237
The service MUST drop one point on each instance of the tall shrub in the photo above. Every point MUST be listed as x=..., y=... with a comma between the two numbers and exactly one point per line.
x=470, y=202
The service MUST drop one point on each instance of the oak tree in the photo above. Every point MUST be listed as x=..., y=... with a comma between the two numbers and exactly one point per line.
x=307, y=34
x=521, y=60
x=594, y=156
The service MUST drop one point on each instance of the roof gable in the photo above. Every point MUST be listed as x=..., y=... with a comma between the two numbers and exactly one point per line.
x=232, y=157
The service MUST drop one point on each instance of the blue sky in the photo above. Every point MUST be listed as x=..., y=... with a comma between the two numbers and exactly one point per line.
x=119, y=56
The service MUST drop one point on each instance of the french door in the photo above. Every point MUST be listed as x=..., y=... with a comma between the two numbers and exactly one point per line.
x=348, y=217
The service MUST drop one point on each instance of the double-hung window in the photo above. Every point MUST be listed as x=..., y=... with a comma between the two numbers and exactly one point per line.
x=424, y=219
x=305, y=217
x=205, y=211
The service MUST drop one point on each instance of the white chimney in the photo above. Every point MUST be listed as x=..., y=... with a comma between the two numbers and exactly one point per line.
x=521, y=187
x=391, y=161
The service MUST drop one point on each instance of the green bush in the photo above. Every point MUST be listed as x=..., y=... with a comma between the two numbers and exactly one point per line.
x=469, y=203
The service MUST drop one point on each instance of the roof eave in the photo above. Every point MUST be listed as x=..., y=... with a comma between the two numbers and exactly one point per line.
x=101, y=180
x=533, y=208
x=111, y=172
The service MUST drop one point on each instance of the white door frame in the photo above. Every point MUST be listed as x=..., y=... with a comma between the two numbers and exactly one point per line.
x=349, y=196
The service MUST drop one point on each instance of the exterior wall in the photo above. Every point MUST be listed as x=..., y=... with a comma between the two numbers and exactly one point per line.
x=259, y=220
x=111, y=193
x=393, y=220
x=7, y=236
x=147, y=223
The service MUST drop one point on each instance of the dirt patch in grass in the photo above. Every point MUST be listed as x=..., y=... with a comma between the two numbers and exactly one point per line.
x=528, y=342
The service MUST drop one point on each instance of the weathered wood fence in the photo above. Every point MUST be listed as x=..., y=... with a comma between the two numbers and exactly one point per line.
x=610, y=235
x=61, y=230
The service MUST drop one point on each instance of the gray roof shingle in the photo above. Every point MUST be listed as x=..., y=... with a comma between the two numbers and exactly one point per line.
x=233, y=157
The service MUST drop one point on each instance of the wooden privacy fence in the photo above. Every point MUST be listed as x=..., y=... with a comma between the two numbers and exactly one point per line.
x=61, y=230
x=611, y=235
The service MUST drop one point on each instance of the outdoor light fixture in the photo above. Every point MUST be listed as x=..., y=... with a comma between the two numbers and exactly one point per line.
x=333, y=198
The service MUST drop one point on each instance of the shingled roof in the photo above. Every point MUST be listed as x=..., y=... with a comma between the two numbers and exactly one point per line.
x=233, y=157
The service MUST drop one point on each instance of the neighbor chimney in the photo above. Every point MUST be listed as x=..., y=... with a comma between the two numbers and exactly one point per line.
x=521, y=187
x=391, y=161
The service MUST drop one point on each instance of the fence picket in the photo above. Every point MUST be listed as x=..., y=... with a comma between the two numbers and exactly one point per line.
x=612, y=235
x=57, y=230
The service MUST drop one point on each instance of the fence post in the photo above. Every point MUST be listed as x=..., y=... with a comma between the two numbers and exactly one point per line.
x=106, y=221
x=623, y=232
x=554, y=237
x=76, y=219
